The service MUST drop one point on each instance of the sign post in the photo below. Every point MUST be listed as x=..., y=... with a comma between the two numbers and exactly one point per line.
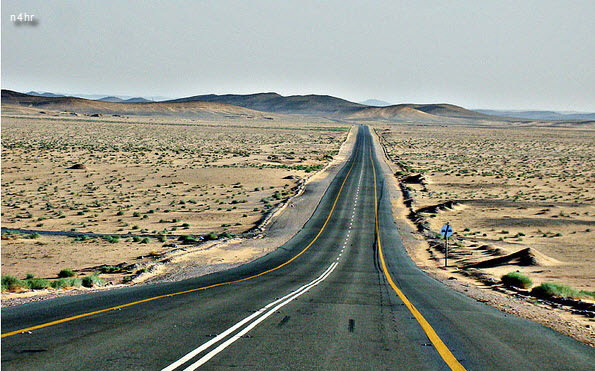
x=446, y=232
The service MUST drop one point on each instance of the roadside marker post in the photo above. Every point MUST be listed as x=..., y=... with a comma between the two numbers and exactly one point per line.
x=446, y=232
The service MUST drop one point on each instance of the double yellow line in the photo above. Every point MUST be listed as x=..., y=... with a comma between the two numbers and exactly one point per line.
x=442, y=349
x=68, y=319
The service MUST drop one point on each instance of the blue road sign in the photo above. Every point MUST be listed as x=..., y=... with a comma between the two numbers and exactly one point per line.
x=446, y=231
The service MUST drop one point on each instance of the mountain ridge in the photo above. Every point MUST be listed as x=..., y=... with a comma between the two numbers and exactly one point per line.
x=16, y=101
x=274, y=102
x=263, y=104
x=99, y=97
x=540, y=114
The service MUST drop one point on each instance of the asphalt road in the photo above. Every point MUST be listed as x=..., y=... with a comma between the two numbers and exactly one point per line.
x=321, y=301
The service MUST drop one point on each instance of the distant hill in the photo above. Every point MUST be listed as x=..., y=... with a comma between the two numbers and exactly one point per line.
x=375, y=103
x=325, y=105
x=15, y=101
x=137, y=100
x=111, y=99
x=120, y=100
x=434, y=113
x=255, y=106
x=273, y=102
x=103, y=98
x=44, y=94
x=400, y=112
x=541, y=115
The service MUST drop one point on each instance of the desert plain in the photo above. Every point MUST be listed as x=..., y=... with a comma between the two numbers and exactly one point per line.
x=504, y=189
x=166, y=191
x=133, y=189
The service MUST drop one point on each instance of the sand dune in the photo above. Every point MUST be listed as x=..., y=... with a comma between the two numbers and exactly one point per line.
x=524, y=258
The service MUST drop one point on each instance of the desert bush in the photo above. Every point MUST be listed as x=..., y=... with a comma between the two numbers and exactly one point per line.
x=516, y=279
x=211, y=236
x=225, y=235
x=109, y=269
x=64, y=283
x=92, y=281
x=187, y=239
x=136, y=238
x=162, y=238
x=34, y=236
x=145, y=240
x=111, y=239
x=11, y=283
x=36, y=283
x=65, y=273
x=547, y=290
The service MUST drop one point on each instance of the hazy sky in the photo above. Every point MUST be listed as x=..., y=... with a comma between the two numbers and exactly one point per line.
x=478, y=54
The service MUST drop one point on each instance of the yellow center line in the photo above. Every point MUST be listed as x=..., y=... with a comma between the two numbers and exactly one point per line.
x=68, y=319
x=442, y=349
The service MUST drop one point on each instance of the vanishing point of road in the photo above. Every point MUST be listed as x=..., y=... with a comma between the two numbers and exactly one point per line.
x=341, y=295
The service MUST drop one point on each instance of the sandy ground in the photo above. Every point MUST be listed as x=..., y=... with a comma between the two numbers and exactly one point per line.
x=159, y=178
x=280, y=228
x=155, y=261
x=572, y=264
x=512, y=189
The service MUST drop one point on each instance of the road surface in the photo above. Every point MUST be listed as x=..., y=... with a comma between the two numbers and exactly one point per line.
x=341, y=295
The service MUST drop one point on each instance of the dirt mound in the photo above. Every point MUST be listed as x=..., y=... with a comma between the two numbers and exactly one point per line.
x=524, y=258
x=414, y=179
x=433, y=209
x=78, y=167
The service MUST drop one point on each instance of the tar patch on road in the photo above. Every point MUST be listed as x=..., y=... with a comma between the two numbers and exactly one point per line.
x=283, y=321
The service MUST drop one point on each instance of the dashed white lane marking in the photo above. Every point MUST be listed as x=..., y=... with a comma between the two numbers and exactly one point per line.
x=283, y=301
